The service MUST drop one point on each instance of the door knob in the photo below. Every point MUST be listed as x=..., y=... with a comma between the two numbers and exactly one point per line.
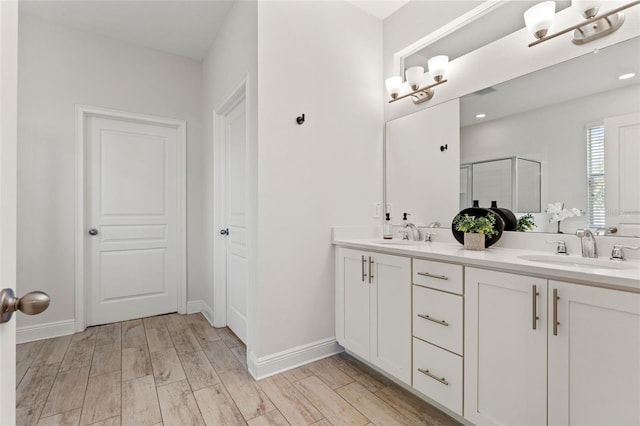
x=93, y=231
x=224, y=231
x=31, y=303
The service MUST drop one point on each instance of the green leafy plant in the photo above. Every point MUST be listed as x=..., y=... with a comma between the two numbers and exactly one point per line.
x=476, y=224
x=525, y=223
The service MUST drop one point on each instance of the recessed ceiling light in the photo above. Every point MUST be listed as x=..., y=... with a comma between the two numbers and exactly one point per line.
x=482, y=115
x=626, y=76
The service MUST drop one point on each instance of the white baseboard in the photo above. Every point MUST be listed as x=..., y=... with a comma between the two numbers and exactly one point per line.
x=195, y=306
x=29, y=333
x=261, y=368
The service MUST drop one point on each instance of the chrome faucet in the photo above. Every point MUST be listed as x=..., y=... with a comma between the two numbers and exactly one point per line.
x=434, y=225
x=588, y=241
x=415, y=232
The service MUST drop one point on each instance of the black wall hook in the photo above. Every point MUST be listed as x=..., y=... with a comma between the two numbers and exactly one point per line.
x=444, y=147
x=300, y=119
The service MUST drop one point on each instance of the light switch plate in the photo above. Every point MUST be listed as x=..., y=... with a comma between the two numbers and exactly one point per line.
x=376, y=211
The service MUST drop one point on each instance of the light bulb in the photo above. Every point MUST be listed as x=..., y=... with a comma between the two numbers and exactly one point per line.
x=586, y=8
x=414, y=77
x=438, y=67
x=538, y=18
x=393, y=85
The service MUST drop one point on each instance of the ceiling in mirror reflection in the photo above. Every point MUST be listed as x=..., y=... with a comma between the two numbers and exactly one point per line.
x=593, y=73
x=498, y=23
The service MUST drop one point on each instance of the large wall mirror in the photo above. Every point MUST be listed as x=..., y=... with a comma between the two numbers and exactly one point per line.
x=567, y=134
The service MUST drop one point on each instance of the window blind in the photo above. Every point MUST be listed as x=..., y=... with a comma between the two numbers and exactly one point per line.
x=595, y=175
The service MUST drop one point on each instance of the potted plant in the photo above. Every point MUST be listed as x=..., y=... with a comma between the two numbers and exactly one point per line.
x=476, y=229
x=525, y=223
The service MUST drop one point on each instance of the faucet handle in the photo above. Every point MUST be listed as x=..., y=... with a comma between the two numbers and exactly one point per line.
x=618, y=254
x=561, y=246
x=428, y=235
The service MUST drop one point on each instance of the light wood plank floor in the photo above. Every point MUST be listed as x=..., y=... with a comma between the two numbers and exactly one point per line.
x=178, y=370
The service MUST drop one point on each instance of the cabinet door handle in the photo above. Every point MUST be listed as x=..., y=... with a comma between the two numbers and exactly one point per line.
x=370, y=269
x=427, y=317
x=441, y=380
x=364, y=261
x=555, y=311
x=440, y=277
x=534, y=307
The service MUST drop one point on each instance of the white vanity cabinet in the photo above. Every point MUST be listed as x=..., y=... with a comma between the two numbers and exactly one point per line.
x=594, y=356
x=505, y=348
x=556, y=353
x=373, y=309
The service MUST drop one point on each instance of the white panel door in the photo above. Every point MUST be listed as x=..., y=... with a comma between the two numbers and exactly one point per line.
x=8, y=161
x=391, y=314
x=236, y=219
x=505, y=351
x=133, y=205
x=594, y=357
x=622, y=174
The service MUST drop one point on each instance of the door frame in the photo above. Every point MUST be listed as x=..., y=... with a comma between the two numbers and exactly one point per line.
x=236, y=96
x=8, y=193
x=81, y=267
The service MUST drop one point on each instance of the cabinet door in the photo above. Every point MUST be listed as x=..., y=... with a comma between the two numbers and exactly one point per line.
x=594, y=356
x=352, y=301
x=505, y=349
x=391, y=315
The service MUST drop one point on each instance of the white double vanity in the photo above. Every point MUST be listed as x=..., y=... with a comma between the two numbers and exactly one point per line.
x=492, y=337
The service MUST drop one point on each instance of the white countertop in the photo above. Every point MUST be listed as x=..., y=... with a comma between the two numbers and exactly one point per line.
x=507, y=259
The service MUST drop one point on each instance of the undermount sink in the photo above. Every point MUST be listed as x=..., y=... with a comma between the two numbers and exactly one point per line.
x=399, y=242
x=579, y=262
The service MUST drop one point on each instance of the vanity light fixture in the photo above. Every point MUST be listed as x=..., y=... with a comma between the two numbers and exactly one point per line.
x=540, y=17
x=627, y=76
x=481, y=115
x=437, y=68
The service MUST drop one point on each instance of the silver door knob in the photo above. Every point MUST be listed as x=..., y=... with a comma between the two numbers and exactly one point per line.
x=93, y=231
x=31, y=303
x=224, y=231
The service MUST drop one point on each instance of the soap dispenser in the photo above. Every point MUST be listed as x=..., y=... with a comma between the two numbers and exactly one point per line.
x=387, y=232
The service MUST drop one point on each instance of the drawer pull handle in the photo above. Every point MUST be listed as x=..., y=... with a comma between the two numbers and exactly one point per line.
x=370, y=271
x=427, y=317
x=441, y=380
x=426, y=274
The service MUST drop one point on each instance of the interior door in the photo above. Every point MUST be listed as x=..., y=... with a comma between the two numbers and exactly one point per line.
x=8, y=161
x=133, y=219
x=622, y=175
x=236, y=219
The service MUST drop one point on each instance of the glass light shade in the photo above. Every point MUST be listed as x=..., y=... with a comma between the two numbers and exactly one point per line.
x=586, y=8
x=538, y=18
x=414, y=77
x=438, y=66
x=393, y=85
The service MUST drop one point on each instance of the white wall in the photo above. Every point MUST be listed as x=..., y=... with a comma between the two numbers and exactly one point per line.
x=232, y=58
x=554, y=135
x=59, y=68
x=323, y=59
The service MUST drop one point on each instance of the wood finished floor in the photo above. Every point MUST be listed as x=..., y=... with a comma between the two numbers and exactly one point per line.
x=178, y=370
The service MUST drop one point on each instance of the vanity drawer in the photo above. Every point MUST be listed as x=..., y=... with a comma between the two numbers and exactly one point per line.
x=438, y=374
x=439, y=275
x=437, y=318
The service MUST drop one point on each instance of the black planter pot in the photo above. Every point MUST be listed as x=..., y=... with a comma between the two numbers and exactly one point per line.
x=510, y=220
x=478, y=212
